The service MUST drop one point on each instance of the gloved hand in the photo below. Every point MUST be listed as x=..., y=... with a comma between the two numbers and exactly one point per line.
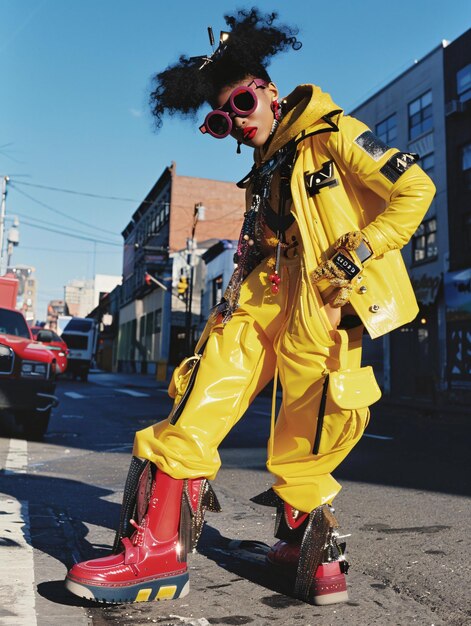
x=340, y=269
x=349, y=241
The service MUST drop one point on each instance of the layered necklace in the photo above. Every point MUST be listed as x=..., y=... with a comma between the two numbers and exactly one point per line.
x=249, y=248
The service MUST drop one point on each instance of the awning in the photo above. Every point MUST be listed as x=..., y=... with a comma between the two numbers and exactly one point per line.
x=458, y=292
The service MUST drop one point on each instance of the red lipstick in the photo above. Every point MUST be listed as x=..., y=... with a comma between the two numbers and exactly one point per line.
x=250, y=132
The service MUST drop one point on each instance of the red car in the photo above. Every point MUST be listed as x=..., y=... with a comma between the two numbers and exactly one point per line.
x=53, y=342
x=27, y=372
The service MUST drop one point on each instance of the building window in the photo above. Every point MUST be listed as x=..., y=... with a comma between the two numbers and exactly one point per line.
x=157, y=321
x=466, y=165
x=217, y=290
x=424, y=242
x=142, y=329
x=387, y=130
x=463, y=83
x=420, y=115
x=467, y=228
x=427, y=163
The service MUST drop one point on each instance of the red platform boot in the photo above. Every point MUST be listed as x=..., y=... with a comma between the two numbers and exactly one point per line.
x=152, y=565
x=308, y=548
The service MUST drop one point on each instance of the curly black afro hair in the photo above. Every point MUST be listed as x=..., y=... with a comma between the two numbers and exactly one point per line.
x=253, y=39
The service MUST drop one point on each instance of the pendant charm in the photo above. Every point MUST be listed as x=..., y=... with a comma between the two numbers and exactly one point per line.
x=275, y=280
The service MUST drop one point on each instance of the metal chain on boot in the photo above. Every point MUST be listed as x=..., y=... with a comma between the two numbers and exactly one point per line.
x=198, y=497
x=139, y=476
x=318, y=545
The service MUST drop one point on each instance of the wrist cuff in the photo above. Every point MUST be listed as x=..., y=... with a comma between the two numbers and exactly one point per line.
x=363, y=252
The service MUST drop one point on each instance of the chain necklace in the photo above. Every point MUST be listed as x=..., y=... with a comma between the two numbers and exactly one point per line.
x=249, y=249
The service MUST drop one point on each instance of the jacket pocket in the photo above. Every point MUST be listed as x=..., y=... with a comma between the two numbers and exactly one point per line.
x=352, y=389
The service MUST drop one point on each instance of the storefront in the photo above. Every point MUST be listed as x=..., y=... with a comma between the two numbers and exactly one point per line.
x=416, y=353
x=458, y=322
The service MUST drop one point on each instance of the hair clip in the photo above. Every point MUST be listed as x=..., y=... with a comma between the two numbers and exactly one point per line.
x=223, y=37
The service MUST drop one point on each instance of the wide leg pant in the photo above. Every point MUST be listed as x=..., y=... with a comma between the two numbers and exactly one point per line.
x=290, y=331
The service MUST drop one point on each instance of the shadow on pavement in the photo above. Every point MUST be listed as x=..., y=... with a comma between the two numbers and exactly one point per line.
x=245, y=559
x=55, y=591
x=59, y=510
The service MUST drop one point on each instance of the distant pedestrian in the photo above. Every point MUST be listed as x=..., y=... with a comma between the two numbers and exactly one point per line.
x=329, y=206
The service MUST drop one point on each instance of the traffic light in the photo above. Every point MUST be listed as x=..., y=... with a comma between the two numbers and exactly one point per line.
x=182, y=287
x=148, y=279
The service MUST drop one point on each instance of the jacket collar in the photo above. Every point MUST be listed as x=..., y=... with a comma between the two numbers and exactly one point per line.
x=304, y=111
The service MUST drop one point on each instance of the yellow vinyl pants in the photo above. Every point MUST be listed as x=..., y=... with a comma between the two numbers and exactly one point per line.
x=289, y=331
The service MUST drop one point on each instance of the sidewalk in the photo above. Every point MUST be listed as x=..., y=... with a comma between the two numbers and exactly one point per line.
x=450, y=406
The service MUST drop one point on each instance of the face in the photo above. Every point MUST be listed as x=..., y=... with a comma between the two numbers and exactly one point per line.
x=253, y=130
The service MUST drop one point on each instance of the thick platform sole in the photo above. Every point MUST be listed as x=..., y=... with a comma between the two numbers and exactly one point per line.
x=331, y=598
x=329, y=590
x=324, y=590
x=169, y=588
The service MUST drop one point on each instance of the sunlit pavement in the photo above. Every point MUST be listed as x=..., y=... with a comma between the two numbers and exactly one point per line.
x=405, y=502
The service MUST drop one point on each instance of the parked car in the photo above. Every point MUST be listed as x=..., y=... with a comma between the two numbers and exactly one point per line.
x=27, y=377
x=27, y=370
x=53, y=342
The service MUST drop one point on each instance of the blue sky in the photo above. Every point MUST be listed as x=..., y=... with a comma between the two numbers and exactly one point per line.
x=73, y=104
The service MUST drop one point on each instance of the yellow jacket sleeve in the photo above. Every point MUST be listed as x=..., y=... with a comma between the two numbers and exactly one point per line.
x=391, y=174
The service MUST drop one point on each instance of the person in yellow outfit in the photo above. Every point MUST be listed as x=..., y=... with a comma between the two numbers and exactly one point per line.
x=329, y=206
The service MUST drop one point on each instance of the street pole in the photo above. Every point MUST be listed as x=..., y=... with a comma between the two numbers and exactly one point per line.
x=3, y=209
x=190, y=262
x=13, y=239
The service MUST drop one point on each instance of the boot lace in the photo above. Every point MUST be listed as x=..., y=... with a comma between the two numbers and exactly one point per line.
x=137, y=537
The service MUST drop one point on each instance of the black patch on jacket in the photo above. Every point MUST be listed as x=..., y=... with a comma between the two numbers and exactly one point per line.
x=315, y=181
x=344, y=264
x=400, y=162
x=372, y=145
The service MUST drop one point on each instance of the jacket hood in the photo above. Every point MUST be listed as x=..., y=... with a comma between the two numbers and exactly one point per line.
x=302, y=109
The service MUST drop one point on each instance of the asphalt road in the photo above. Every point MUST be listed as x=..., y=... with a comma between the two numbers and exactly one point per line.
x=405, y=502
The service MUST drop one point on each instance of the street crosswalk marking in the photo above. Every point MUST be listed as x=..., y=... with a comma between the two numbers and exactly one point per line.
x=17, y=599
x=74, y=395
x=135, y=394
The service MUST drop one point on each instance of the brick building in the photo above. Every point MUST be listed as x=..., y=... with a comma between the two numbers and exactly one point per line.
x=156, y=242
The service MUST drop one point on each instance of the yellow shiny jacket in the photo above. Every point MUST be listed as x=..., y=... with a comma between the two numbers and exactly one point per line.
x=345, y=179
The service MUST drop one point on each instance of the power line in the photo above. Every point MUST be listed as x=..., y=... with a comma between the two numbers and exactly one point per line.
x=84, y=193
x=189, y=209
x=70, y=251
x=68, y=234
x=38, y=221
x=73, y=219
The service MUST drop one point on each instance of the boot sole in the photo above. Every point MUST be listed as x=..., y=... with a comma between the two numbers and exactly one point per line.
x=331, y=598
x=169, y=588
x=316, y=597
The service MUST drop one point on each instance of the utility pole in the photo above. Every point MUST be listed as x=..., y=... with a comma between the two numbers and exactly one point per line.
x=13, y=239
x=3, y=209
x=191, y=264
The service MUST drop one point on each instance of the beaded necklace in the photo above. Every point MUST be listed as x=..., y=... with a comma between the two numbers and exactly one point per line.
x=249, y=249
